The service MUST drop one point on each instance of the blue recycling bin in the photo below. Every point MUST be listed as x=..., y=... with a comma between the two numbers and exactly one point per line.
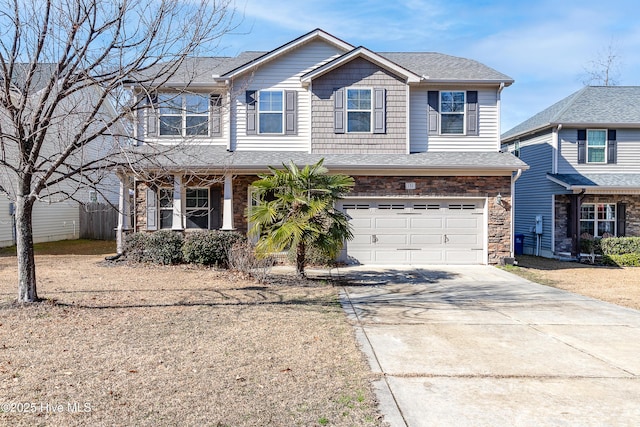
x=518, y=244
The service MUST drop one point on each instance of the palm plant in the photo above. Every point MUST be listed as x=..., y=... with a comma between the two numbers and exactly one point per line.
x=295, y=209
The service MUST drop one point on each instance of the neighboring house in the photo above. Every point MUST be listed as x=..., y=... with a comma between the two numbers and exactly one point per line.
x=584, y=177
x=56, y=213
x=418, y=131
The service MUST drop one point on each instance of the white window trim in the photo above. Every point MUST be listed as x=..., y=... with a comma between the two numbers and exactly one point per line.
x=259, y=112
x=183, y=115
x=166, y=208
x=347, y=110
x=187, y=209
x=463, y=113
x=596, y=220
x=605, y=147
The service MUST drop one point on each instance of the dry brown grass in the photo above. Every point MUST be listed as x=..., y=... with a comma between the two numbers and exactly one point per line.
x=618, y=285
x=151, y=346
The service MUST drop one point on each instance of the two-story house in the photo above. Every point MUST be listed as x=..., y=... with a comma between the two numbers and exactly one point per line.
x=419, y=132
x=584, y=177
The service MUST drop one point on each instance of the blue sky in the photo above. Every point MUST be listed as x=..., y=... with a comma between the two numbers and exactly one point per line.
x=544, y=45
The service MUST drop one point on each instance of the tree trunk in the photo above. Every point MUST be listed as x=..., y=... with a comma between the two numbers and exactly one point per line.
x=24, y=242
x=300, y=256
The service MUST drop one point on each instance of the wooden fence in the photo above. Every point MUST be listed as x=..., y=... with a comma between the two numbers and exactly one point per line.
x=98, y=221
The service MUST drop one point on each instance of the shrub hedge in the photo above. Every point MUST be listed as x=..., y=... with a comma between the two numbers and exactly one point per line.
x=170, y=247
x=622, y=260
x=209, y=247
x=620, y=245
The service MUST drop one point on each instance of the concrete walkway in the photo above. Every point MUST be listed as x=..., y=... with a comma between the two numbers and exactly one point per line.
x=477, y=346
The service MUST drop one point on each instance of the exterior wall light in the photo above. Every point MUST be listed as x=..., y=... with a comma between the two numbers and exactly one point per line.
x=498, y=200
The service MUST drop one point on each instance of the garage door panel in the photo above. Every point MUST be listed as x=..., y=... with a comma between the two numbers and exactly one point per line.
x=392, y=223
x=427, y=223
x=453, y=233
x=391, y=257
x=426, y=239
x=391, y=239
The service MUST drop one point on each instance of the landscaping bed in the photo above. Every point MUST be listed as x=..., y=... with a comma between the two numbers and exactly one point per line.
x=119, y=344
x=618, y=285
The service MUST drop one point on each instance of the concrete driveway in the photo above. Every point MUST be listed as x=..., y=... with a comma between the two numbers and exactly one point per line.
x=477, y=346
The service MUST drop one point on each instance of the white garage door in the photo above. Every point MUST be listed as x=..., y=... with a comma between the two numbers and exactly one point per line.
x=416, y=232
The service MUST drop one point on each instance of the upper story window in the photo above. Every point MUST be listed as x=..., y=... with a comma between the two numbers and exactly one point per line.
x=183, y=115
x=516, y=148
x=452, y=106
x=452, y=112
x=358, y=110
x=597, y=146
x=270, y=111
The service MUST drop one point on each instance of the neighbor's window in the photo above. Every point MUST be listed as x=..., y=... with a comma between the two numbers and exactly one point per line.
x=596, y=146
x=197, y=208
x=184, y=115
x=452, y=106
x=358, y=110
x=166, y=207
x=270, y=111
x=597, y=219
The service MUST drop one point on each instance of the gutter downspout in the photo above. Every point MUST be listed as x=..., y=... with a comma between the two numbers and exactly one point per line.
x=513, y=205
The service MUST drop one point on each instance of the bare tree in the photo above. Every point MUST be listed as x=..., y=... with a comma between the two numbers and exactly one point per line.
x=65, y=67
x=604, y=69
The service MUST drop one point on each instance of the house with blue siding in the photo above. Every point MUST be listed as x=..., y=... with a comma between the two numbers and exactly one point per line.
x=584, y=176
x=418, y=131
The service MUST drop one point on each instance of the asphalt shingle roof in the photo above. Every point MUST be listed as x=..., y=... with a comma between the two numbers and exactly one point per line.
x=617, y=180
x=591, y=105
x=214, y=157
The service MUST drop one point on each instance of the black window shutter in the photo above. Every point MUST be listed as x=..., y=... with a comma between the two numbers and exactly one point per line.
x=472, y=112
x=379, y=110
x=569, y=220
x=290, y=112
x=621, y=219
x=338, y=111
x=215, y=116
x=152, y=115
x=152, y=210
x=612, y=147
x=251, y=99
x=433, y=116
x=582, y=146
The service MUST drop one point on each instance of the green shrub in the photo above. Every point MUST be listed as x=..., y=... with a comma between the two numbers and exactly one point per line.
x=135, y=246
x=312, y=256
x=209, y=247
x=622, y=260
x=164, y=247
x=620, y=245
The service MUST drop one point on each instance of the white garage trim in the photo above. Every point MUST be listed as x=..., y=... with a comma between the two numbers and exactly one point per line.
x=416, y=231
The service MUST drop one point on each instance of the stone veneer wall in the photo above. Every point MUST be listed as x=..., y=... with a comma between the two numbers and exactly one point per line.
x=453, y=186
x=563, y=243
x=390, y=186
x=358, y=73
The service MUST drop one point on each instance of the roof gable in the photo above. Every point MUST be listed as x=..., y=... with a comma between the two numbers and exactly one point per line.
x=316, y=34
x=362, y=52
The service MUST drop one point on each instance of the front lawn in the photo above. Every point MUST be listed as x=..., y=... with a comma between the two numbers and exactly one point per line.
x=618, y=285
x=148, y=346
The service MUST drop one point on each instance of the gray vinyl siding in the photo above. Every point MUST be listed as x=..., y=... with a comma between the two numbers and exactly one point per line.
x=51, y=222
x=628, y=157
x=358, y=73
x=534, y=193
x=280, y=74
x=488, y=138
